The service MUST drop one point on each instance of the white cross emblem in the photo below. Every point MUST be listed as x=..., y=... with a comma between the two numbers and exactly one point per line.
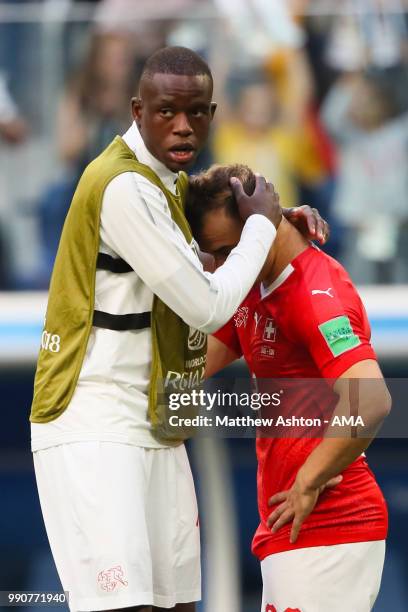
x=269, y=331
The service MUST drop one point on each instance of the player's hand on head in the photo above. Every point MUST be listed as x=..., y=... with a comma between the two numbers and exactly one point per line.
x=309, y=222
x=295, y=505
x=263, y=201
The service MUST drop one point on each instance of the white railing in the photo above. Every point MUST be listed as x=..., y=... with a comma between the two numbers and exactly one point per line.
x=22, y=316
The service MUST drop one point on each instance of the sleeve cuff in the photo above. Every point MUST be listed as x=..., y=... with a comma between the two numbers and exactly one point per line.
x=335, y=369
x=263, y=228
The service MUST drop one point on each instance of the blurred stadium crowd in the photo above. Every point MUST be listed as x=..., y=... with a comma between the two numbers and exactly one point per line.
x=311, y=93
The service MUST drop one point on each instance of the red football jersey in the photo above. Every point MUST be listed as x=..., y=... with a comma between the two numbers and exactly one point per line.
x=310, y=323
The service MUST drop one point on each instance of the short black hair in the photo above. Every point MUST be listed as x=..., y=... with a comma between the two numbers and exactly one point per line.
x=206, y=188
x=176, y=60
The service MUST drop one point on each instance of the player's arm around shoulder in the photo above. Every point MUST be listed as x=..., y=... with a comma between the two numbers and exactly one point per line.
x=136, y=225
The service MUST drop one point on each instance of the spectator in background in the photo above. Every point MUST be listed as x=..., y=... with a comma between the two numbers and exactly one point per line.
x=93, y=109
x=259, y=28
x=95, y=105
x=274, y=127
x=13, y=131
x=261, y=135
x=375, y=35
x=371, y=133
x=148, y=22
x=347, y=43
x=13, y=128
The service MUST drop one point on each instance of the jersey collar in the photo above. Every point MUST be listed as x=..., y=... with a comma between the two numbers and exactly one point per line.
x=286, y=272
x=135, y=142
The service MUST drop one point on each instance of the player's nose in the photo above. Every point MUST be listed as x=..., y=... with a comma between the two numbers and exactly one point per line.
x=182, y=125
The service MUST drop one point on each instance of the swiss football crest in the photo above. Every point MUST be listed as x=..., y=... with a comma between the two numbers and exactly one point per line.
x=241, y=316
x=109, y=579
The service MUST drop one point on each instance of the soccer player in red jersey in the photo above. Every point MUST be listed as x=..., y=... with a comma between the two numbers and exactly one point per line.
x=321, y=548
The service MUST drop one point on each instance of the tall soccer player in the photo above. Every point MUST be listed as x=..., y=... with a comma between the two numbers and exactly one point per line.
x=130, y=303
x=320, y=548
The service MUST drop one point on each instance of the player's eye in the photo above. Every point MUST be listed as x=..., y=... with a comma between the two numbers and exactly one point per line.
x=166, y=113
x=199, y=112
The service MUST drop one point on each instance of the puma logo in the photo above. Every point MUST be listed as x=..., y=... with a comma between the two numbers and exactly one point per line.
x=320, y=291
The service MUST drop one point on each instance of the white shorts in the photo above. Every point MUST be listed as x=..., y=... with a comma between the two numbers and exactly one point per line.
x=122, y=523
x=341, y=578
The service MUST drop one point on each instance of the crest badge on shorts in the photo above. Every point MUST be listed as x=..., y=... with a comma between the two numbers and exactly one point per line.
x=271, y=608
x=109, y=579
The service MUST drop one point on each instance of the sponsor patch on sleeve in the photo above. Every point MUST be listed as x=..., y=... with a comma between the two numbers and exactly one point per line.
x=339, y=335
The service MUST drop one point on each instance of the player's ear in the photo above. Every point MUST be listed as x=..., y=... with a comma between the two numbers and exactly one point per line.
x=213, y=108
x=137, y=110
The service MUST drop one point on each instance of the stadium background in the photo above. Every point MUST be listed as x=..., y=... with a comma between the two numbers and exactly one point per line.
x=312, y=93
